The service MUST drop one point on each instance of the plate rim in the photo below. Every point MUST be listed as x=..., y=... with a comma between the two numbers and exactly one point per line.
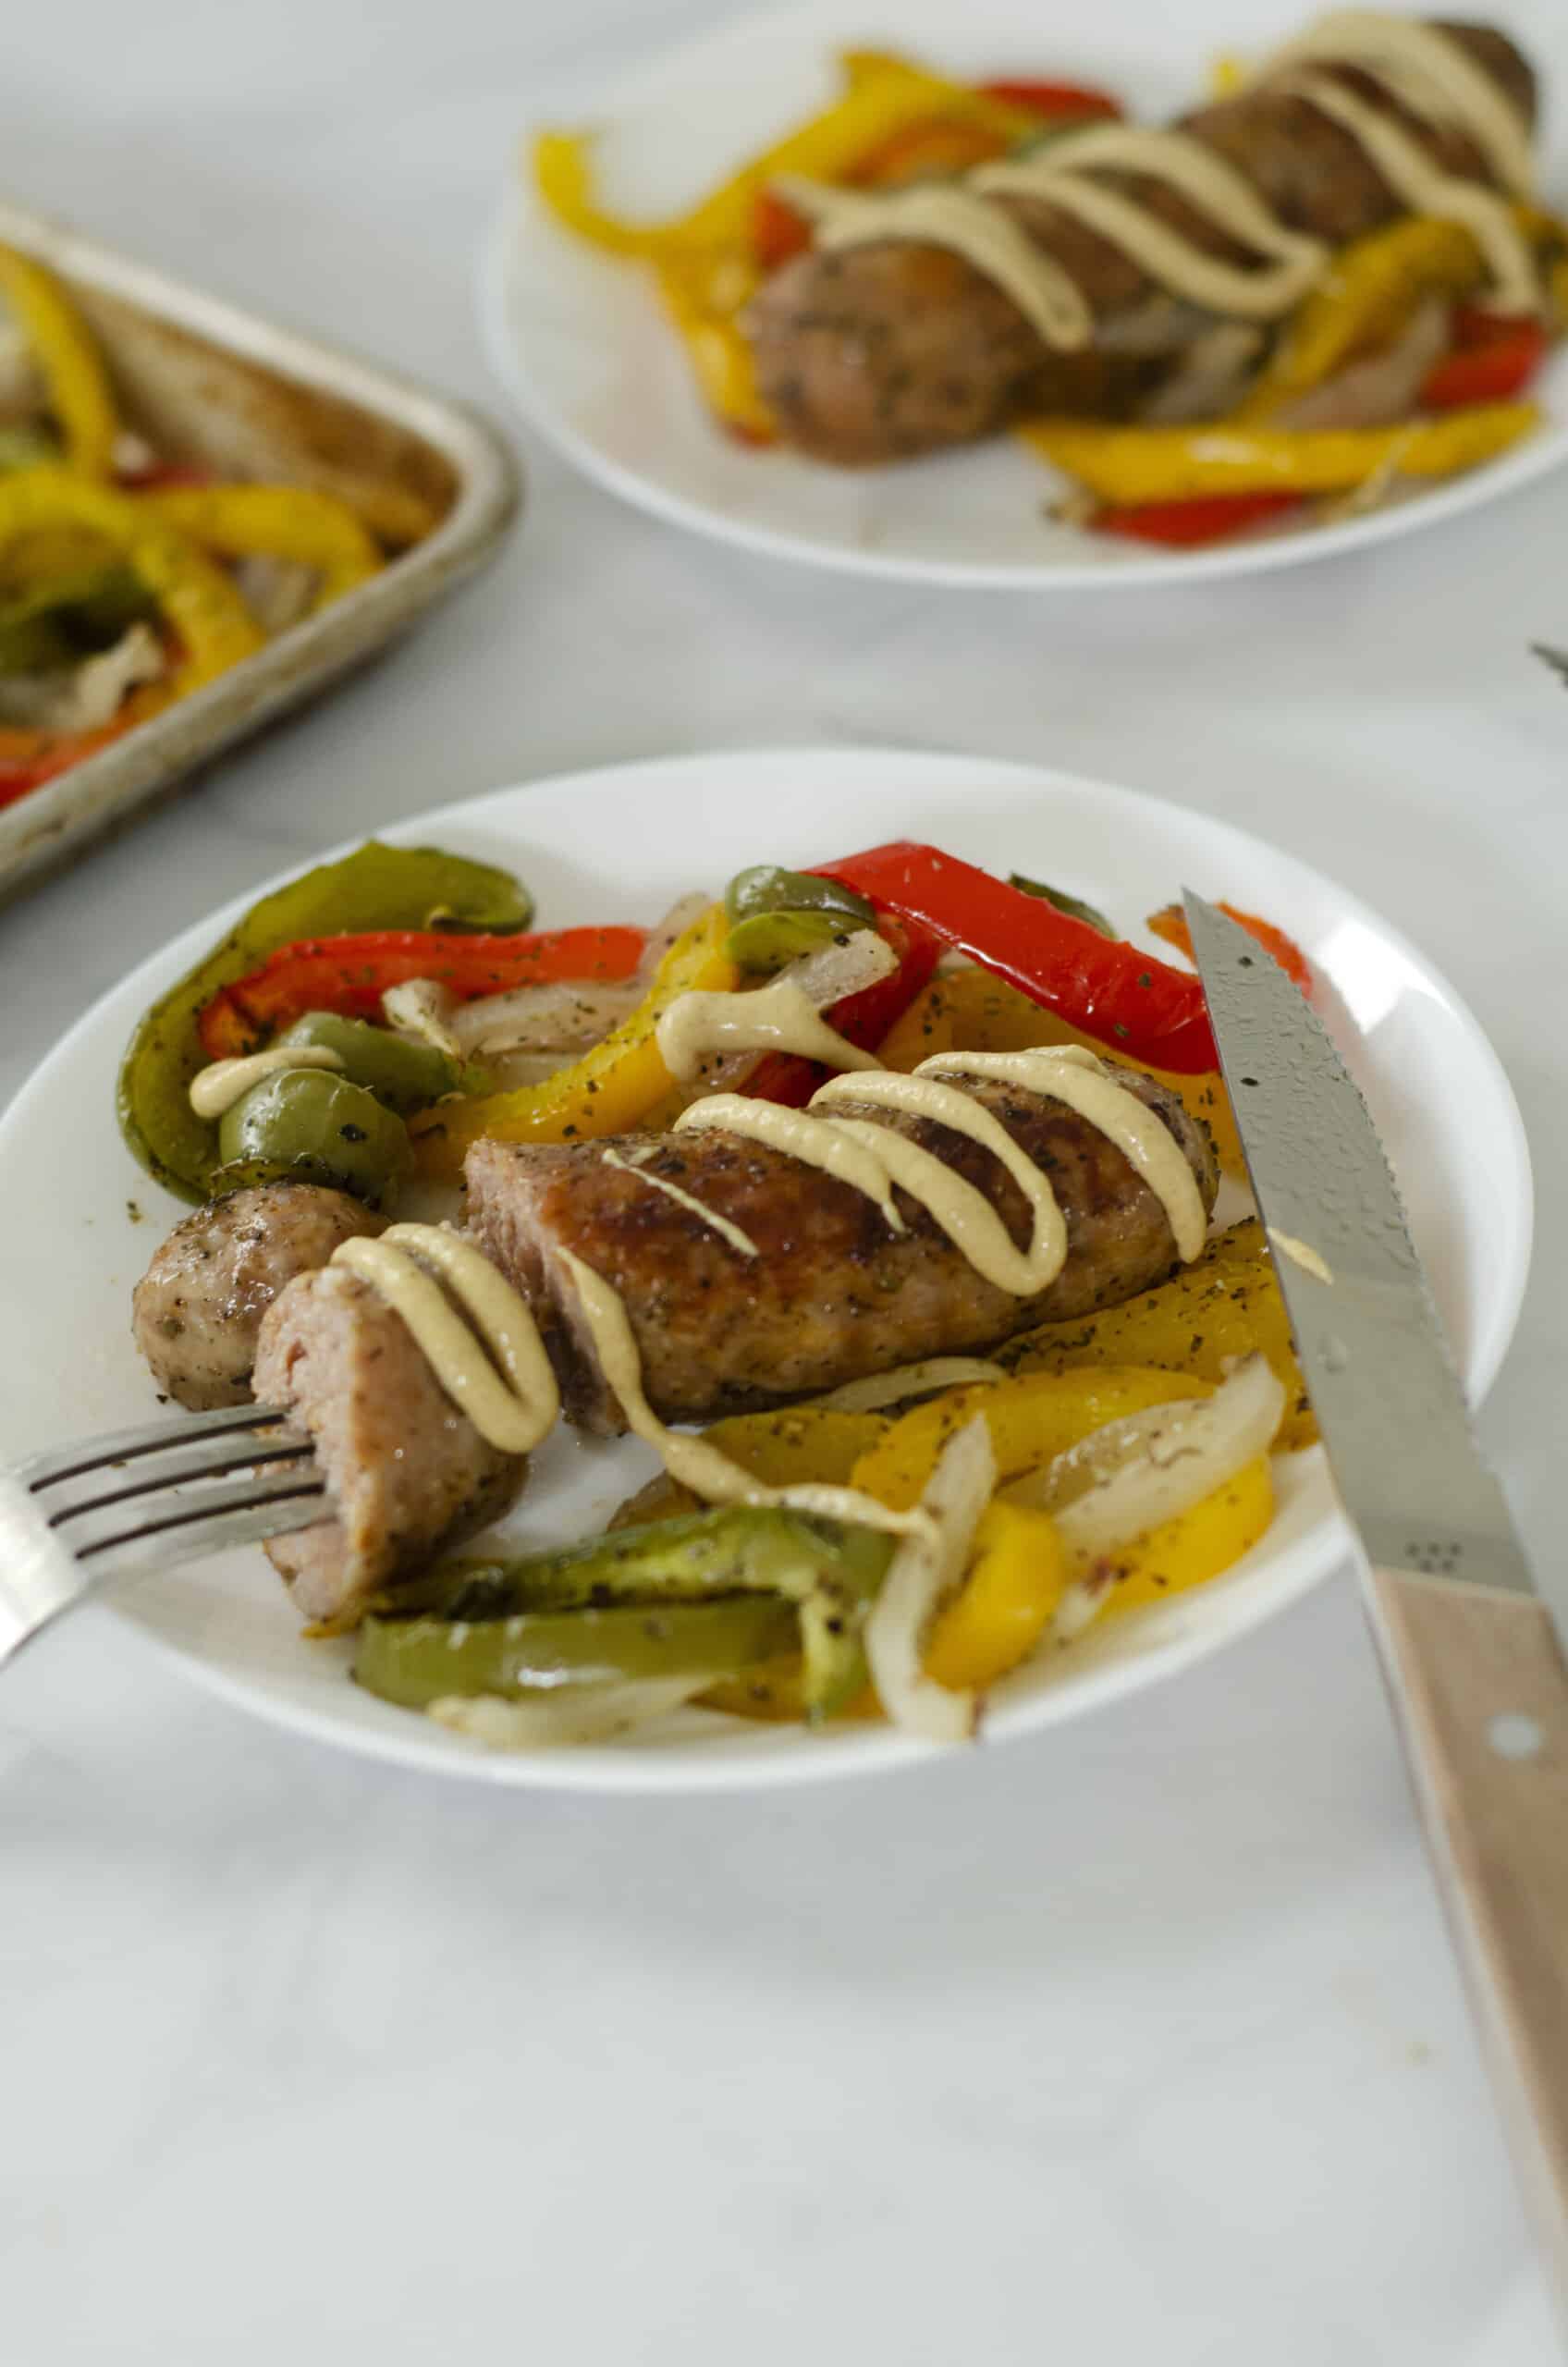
x=625, y=1770
x=516, y=208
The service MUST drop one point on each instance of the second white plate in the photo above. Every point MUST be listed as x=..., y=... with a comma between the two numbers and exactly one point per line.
x=581, y=342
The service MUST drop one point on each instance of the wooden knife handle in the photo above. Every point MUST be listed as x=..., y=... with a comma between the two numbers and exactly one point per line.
x=1482, y=1694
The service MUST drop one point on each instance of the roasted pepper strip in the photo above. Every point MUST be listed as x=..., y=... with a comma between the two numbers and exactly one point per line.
x=1132, y=465
x=66, y=352
x=969, y=1011
x=196, y=599
x=282, y=521
x=351, y=973
x=1366, y=295
x=827, y=1571
x=1171, y=923
x=609, y=1089
x=1195, y=1546
x=1031, y=1419
x=720, y=355
x=1128, y=1001
x=803, y=1442
x=417, y=1661
x=376, y=886
x=1492, y=360
x=885, y=96
x=1225, y=1305
x=1016, y=1574
x=27, y=759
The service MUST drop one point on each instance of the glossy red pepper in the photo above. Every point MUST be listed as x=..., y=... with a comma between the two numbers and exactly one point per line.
x=779, y=233
x=1494, y=358
x=1188, y=526
x=351, y=973
x=1171, y=923
x=863, y=1019
x=1055, y=99
x=1112, y=991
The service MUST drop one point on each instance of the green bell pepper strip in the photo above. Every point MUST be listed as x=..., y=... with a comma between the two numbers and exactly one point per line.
x=316, y=1126
x=415, y=1662
x=403, y=1074
x=827, y=1571
x=767, y=887
x=376, y=886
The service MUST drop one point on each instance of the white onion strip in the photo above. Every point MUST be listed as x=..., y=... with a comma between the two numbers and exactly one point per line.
x=926, y=1566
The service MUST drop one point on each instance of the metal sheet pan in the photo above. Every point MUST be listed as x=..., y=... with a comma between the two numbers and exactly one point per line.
x=205, y=382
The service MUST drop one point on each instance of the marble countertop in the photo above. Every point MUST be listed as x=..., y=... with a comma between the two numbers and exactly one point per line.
x=1141, y=2039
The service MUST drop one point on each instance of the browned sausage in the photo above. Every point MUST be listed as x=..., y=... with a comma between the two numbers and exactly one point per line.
x=406, y=1472
x=878, y=352
x=198, y=1308
x=833, y=1294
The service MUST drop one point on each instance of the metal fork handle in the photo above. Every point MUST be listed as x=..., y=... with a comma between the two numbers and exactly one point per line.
x=40, y=1578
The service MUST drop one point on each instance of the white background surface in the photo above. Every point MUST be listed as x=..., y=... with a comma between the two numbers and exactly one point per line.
x=1138, y=2041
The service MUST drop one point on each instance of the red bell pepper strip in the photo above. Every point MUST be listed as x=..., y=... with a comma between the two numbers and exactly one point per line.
x=1171, y=923
x=1109, y=989
x=1188, y=526
x=1055, y=99
x=351, y=973
x=27, y=759
x=1494, y=359
x=779, y=233
x=863, y=1019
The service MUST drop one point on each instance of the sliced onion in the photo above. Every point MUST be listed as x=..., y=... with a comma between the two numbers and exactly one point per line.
x=423, y=1009
x=824, y=977
x=928, y=1564
x=565, y=1017
x=86, y=696
x=1380, y=389
x=575, y=1714
x=1125, y=1479
x=907, y=1382
x=662, y=936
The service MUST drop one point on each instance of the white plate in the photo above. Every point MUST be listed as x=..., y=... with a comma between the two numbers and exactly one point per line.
x=621, y=844
x=579, y=340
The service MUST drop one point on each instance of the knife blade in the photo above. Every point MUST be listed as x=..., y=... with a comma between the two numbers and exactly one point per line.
x=1473, y=1660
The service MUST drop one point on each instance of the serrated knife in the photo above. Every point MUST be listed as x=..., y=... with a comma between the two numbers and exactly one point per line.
x=1471, y=1653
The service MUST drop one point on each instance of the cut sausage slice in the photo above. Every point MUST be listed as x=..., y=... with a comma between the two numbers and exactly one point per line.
x=406, y=1472
x=197, y=1310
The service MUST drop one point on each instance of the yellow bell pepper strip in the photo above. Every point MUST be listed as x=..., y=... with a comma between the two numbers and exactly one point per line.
x=66, y=350
x=195, y=598
x=1125, y=466
x=803, y=1442
x=720, y=354
x=1226, y=1304
x=1016, y=1576
x=1364, y=299
x=884, y=96
x=969, y=1011
x=1195, y=1546
x=1031, y=1418
x=280, y=521
x=609, y=1089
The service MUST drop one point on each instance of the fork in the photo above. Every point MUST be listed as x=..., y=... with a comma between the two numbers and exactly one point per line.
x=75, y=1515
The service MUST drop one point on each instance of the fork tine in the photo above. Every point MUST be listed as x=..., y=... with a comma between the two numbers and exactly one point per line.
x=146, y=1438
x=229, y=1514
x=167, y=1469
